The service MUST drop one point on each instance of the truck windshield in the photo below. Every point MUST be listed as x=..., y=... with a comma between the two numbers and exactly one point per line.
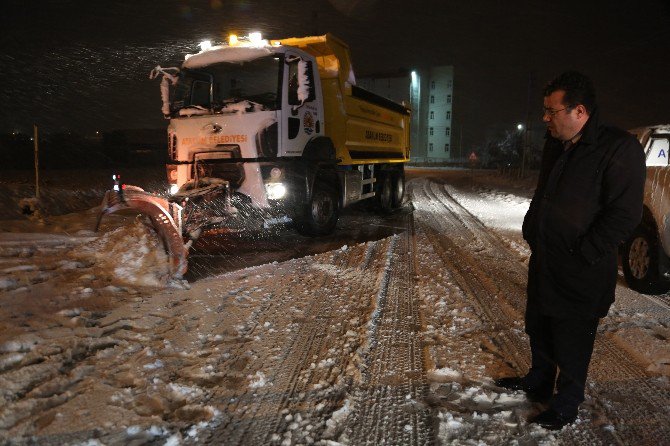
x=240, y=86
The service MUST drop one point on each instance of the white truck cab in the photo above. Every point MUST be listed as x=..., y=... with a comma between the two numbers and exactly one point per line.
x=251, y=103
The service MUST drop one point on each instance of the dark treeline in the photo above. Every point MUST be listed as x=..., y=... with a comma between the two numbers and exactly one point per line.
x=510, y=149
x=118, y=148
x=147, y=147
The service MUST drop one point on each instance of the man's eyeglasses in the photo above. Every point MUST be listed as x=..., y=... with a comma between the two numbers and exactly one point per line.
x=551, y=112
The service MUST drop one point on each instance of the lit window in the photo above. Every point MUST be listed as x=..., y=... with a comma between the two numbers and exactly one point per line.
x=431, y=131
x=430, y=147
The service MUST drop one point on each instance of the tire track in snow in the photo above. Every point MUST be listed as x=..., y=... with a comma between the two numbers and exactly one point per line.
x=388, y=406
x=478, y=282
x=491, y=244
x=662, y=300
x=303, y=391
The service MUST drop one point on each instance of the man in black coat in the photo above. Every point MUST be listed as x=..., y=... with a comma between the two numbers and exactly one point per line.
x=588, y=200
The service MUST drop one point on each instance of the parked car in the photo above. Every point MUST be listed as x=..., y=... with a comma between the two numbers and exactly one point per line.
x=646, y=255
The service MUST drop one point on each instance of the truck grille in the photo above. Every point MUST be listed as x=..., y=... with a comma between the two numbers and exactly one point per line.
x=220, y=164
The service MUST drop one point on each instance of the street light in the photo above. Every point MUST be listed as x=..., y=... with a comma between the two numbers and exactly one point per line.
x=520, y=127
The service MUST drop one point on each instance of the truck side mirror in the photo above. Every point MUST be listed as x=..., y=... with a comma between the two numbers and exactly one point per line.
x=300, y=82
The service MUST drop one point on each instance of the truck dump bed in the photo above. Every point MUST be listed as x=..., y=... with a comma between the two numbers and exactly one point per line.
x=364, y=127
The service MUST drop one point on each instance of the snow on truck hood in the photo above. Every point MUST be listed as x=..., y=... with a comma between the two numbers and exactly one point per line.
x=225, y=54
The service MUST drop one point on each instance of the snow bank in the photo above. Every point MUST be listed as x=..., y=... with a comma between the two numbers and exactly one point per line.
x=131, y=255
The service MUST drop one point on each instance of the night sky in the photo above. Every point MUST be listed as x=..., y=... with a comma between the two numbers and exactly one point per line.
x=83, y=65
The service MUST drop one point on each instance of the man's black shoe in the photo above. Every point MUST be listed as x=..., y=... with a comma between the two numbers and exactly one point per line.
x=532, y=393
x=552, y=420
x=510, y=383
x=536, y=396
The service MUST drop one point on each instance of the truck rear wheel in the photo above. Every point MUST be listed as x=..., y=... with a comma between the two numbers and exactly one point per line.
x=391, y=190
x=398, y=185
x=385, y=193
x=640, y=262
x=319, y=216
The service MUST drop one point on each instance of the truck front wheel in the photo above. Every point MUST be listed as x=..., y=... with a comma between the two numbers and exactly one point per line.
x=319, y=216
x=640, y=262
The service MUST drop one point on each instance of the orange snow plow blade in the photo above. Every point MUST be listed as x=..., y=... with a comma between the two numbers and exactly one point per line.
x=165, y=218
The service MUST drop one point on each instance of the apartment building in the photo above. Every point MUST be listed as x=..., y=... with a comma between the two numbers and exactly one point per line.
x=430, y=93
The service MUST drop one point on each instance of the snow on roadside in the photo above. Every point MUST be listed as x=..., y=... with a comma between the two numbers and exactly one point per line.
x=502, y=211
x=496, y=209
x=51, y=270
x=640, y=325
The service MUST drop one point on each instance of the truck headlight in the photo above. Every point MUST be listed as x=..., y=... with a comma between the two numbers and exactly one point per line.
x=275, y=191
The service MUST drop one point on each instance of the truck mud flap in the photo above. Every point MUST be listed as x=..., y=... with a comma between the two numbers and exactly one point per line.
x=165, y=218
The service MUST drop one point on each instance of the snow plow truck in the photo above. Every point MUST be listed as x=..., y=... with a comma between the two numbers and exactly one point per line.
x=269, y=128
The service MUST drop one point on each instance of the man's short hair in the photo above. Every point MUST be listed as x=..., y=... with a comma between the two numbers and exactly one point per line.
x=578, y=90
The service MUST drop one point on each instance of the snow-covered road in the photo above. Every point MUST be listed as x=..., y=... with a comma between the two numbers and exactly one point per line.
x=384, y=336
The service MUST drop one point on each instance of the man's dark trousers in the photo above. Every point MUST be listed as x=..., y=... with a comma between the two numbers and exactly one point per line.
x=563, y=343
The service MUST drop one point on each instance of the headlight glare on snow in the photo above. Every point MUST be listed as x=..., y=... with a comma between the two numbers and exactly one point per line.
x=275, y=191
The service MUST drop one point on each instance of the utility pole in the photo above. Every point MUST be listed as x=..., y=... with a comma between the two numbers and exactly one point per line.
x=37, y=162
